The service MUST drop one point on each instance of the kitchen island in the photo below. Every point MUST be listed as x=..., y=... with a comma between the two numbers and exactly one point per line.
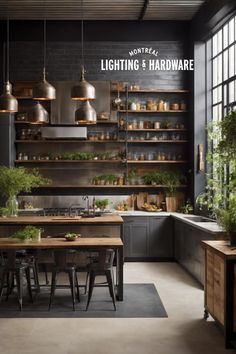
x=100, y=226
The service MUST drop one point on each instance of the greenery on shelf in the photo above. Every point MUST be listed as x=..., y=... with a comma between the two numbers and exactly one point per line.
x=154, y=178
x=166, y=124
x=132, y=176
x=172, y=180
x=86, y=156
x=14, y=180
x=110, y=179
x=29, y=233
x=101, y=203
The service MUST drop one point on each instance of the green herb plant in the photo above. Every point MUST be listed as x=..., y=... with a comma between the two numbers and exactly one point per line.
x=14, y=180
x=29, y=233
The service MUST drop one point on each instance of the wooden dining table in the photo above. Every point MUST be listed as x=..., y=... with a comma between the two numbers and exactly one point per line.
x=85, y=243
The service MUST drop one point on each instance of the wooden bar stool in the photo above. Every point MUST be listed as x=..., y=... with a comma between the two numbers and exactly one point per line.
x=103, y=266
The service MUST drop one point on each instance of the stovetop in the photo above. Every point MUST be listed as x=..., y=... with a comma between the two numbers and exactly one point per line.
x=73, y=211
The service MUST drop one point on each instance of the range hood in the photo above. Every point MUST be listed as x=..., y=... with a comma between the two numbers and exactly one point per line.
x=63, y=108
x=65, y=132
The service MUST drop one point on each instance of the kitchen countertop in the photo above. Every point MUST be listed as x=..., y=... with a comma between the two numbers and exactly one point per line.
x=114, y=219
x=106, y=219
x=211, y=227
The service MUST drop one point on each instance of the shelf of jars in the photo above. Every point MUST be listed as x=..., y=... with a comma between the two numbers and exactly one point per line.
x=151, y=111
x=43, y=141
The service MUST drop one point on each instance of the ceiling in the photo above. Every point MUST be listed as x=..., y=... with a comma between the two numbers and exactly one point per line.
x=99, y=9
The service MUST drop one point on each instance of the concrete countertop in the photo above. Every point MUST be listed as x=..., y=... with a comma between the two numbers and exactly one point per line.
x=211, y=227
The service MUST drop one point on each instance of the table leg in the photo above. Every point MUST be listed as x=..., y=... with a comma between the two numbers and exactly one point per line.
x=229, y=303
x=120, y=266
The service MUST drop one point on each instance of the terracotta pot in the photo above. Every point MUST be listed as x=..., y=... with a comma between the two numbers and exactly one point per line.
x=171, y=204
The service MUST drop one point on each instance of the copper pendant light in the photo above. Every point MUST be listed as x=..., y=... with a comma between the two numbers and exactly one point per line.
x=8, y=103
x=85, y=114
x=83, y=90
x=44, y=91
x=38, y=114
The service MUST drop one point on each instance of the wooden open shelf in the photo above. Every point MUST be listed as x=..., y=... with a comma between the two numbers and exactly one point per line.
x=157, y=162
x=66, y=141
x=150, y=111
x=155, y=130
x=97, y=141
x=66, y=161
x=108, y=186
x=154, y=91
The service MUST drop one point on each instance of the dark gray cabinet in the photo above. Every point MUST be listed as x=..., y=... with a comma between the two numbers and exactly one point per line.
x=147, y=238
x=161, y=237
x=188, y=251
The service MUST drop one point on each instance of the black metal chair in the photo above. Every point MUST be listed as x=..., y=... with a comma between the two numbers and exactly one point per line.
x=103, y=266
x=13, y=270
x=61, y=265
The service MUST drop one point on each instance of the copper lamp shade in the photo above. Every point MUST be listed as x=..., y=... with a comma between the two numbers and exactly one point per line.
x=83, y=91
x=44, y=91
x=85, y=114
x=38, y=115
x=8, y=103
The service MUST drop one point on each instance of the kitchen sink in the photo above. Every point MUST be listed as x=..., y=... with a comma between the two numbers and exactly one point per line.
x=198, y=219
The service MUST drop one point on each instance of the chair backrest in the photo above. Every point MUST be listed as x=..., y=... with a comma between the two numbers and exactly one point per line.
x=106, y=258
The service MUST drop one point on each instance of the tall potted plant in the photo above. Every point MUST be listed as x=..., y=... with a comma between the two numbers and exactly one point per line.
x=16, y=180
x=172, y=180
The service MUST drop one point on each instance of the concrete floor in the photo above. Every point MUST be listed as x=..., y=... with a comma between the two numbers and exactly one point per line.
x=183, y=332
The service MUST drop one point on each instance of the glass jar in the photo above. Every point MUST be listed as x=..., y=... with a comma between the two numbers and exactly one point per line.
x=135, y=124
x=23, y=134
x=157, y=125
x=149, y=105
x=12, y=206
x=140, y=124
x=161, y=105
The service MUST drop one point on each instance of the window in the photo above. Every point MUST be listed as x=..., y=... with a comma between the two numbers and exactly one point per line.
x=221, y=78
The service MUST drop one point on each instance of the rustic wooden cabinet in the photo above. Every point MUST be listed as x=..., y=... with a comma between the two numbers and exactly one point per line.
x=220, y=287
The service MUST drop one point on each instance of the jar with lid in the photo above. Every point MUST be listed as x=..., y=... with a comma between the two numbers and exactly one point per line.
x=158, y=156
x=23, y=134
x=135, y=124
x=107, y=136
x=140, y=124
x=130, y=125
x=142, y=157
x=157, y=125
x=25, y=157
x=149, y=105
x=174, y=106
x=150, y=156
x=101, y=136
x=161, y=105
x=183, y=106
x=29, y=134
x=20, y=156
x=166, y=106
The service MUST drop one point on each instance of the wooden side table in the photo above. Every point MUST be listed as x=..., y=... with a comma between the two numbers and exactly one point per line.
x=220, y=287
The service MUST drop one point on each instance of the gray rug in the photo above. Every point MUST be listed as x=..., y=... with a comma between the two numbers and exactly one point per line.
x=140, y=300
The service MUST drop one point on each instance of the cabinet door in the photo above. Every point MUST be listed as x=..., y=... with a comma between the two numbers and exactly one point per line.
x=136, y=237
x=161, y=242
x=219, y=288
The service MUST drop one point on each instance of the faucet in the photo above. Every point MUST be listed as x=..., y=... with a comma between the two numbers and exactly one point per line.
x=86, y=197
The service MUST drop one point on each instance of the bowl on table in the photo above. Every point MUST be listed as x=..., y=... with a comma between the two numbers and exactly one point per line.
x=71, y=236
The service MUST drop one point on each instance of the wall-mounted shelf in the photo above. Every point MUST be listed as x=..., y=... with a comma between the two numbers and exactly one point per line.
x=67, y=141
x=157, y=162
x=149, y=111
x=66, y=161
x=155, y=130
x=153, y=91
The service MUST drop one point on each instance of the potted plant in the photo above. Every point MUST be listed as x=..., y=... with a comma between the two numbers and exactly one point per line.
x=132, y=177
x=14, y=180
x=101, y=203
x=227, y=219
x=172, y=180
x=29, y=233
x=154, y=178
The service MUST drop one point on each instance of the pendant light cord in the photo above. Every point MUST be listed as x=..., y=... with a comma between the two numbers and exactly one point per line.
x=82, y=33
x=8, y=60
x=44, y=49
